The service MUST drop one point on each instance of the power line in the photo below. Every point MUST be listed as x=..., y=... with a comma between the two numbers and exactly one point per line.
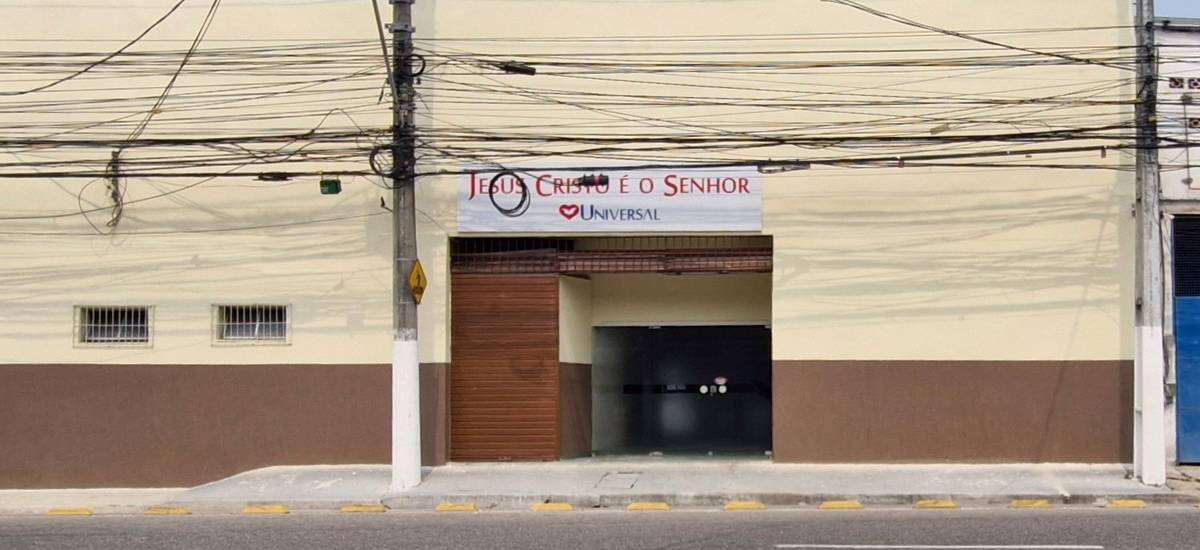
x=911, y=23
x=101, y=61
x=155, y=109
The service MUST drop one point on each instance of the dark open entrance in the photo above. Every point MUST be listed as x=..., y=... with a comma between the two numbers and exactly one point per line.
x=682, y=390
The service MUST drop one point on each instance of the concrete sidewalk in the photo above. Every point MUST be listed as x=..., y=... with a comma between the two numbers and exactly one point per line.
x=599, y=483
x=298, y=487
x=108, y=501
x=605, y=483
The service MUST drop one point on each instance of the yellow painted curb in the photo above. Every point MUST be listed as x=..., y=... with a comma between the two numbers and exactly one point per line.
x=456, y=507
x=1132, y=503
x=937, y=505
x=364, y=509
x=69, y=512
x=841, y=505
x=265, y=509
x=649, y=507
x=552, y=507
x=1030, y=503
x=167, y=511
x=744, y=506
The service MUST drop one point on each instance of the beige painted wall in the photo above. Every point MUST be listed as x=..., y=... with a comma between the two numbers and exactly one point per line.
x=652, y=299
x=575, y=320
x=230, y=240
x=1179, y=47
x=884, y=263
x=896, y=263
x=987, y=265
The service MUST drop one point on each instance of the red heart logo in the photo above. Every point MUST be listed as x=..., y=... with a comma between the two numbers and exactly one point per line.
x=569, y=211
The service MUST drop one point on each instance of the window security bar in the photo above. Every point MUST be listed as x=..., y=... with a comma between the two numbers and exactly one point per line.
x=113, y=325
x=256, y=323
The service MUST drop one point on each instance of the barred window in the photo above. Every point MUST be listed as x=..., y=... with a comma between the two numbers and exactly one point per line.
x=113, y=325
x=251, y=324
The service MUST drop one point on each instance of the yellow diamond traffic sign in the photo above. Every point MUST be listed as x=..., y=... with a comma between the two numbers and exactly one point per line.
x=417, y=281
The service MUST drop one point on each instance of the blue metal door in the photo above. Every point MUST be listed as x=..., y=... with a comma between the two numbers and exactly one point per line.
x=1186, y=239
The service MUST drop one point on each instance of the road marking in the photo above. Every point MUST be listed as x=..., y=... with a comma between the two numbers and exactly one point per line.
x=552, y=507
x=1035, y=503
x=1128, y=503
x=744, y=506
x=942, y=546
x=167, y=511
x=936, y=505
x=69, y=512
x=364, y=509
x=456, y=507
x=649, y=507
x=265, y=509
x=841, y=505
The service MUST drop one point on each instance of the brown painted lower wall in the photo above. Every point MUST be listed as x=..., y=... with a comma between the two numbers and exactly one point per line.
x=575, y=410
x=78, y=426
x=435, y=414
x=944, y=411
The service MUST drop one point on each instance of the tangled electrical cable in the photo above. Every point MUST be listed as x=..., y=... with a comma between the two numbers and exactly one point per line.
x=416, y=73
x=852, y=100
x=373, y=161
x=521, y=206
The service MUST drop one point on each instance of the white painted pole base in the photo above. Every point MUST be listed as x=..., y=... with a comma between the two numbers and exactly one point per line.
x=406, y=415
x=1149, y=428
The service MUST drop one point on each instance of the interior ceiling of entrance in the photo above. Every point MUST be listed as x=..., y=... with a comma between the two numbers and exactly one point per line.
x=648, y=299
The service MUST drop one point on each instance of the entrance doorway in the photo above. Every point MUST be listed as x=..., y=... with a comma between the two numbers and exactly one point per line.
x=682, y=390
x=524, y=313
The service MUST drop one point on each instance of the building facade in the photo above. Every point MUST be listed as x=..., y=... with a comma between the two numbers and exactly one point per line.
x=827, y=236
x=1178, y=42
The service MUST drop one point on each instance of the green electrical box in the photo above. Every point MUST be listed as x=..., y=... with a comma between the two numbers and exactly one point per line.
x=330, y=186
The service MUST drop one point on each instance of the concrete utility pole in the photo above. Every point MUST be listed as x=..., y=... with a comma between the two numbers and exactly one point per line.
x=1149, y=431
x=406, y=394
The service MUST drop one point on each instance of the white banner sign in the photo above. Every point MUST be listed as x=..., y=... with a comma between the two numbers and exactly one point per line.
x=633, y=201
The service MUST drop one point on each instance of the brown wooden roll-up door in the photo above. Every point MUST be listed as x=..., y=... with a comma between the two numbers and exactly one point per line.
x=504, y=367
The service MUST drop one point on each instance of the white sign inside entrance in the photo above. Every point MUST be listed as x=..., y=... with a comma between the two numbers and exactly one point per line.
x=632, y=201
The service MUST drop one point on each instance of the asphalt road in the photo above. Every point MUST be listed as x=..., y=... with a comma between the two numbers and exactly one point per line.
x=992, y=529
